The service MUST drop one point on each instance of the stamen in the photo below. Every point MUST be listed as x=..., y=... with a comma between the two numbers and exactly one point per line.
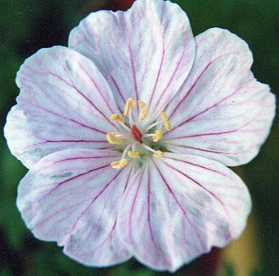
x=124, y=126
x=129, y=106
x=133, y=134
x=153, y=125
x=119, y=119
x=165, y=121
x=125, y=151
x=158, y=154
x=133, y=154
x=119, y=164
x=115, y=138
x=158, y=135
x=116, y=117
x=143, y=109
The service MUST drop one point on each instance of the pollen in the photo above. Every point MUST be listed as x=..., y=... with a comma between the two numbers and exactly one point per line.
x=115, y=138
x=158, y=135
x=119, y=164
x=165, y=121
x=158, y=154
x=129, y=106
x=116, y=117
x=143, y=109
x=133, y=154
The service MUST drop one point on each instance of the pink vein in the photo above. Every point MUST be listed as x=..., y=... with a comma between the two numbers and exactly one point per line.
x=70, y=179
x=178, y=203
x=159, y=72
x=95, y=198
x=148, y=215
x=108, y=71
x=173, y=75
x=190, y=90
x=134, y=204
x=134, y=73
x=207, y=109
x=201, y=186
x=195, y=83
x=196, y=165
x=82, y=95
x=98, y=89
x=114, y=225
x=66, y=118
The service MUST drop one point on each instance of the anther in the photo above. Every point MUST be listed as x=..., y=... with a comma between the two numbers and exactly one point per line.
x=116, y=117
x=133, y=154
x=158, y=154
x=165, y=121
x=158, y=135
x=143, y=109
x=115, y=138
x=129, y=106
x=119, y=164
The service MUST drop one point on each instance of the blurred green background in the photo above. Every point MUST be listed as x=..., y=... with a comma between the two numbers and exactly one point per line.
x=26, y=26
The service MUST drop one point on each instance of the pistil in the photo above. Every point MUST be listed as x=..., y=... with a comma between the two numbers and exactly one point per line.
x=136, y=133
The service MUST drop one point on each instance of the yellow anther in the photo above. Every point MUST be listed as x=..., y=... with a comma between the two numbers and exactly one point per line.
x=158, y=154
x=165, y=121
x=116, y=117
x=133, y=154
x=129, y=106
x=119, y=164
x=157, y=136
x=143, y=109
x=115, y=138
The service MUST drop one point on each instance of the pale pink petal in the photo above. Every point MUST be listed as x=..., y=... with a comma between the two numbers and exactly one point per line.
x=178, y=207
x=72, y=197
x=221, y=112
x=64, y=103
x=145, y=53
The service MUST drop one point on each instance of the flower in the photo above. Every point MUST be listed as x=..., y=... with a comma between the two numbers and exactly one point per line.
x=127, y=134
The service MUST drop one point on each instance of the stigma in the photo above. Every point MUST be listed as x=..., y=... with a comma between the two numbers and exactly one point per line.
x=136, y=133
x=135, y=139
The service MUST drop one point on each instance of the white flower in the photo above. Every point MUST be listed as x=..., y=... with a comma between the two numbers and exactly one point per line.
x=127, y=134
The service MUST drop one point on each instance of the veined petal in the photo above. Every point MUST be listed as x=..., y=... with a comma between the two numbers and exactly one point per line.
x=72, y=197
x=64, y=102
x=180, y=206
x=221, y=112
x=146, y=52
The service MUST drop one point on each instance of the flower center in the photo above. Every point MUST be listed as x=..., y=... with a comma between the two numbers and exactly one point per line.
x=135, y=139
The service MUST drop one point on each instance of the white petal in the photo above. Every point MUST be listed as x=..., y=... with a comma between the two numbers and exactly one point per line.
x=64, y=103
x=72, y=197
x=180, y=206
x=146, y=52
x=221, y=112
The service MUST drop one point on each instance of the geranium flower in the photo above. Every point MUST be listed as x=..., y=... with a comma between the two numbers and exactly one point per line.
x=127, y=134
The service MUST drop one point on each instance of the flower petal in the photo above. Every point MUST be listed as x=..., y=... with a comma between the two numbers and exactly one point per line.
x=72, y=197
x=221, y=112
x=180, y=206
x=64, y=103
x=146, y=52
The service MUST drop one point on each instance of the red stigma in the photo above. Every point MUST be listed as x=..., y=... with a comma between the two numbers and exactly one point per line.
x=136, y=133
